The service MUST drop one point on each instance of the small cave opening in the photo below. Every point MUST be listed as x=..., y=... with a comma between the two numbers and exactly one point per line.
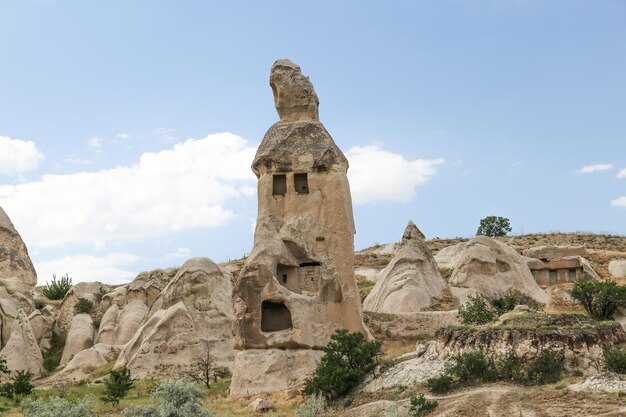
x=275, y=317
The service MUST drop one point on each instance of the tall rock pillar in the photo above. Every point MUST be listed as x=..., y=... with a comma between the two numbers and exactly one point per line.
x=298, y=284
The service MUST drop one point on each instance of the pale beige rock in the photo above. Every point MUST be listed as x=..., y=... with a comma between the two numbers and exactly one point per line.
x=298, y=285
x=411, y=282
x=118, y=327
x=259, y=371
x=386, y=326
x=446, y=257
x=79, y=337
x=491, y=268
x=554, y=252
x=21, y=351
x=261, y=405
x=83, y=290
x=84, y=363
x=17, y=277
x=42, y=327
x=617, y=268
x=381, y=408
x=147, y=286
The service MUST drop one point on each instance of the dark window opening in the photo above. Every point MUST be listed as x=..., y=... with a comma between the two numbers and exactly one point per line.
x=301, y=183
x=284, y=278
x=279, y=186
x=303, y=264
x=275, y=317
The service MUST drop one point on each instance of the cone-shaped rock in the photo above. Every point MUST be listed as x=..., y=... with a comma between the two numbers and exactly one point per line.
x=411, y=282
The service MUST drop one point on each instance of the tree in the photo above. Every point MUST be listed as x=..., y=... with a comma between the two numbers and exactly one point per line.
x=348, y=357
x=117, y=386
x=204, y=370
x=601, y=299
x=493, y=226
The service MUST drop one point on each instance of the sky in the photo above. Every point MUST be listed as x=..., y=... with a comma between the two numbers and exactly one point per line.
x=127, y=128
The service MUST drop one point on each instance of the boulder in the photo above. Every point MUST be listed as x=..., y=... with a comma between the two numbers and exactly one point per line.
x=554, y=252
x=617, y=268
x=411, y=282
x=258, y=371
x=91, y=291
x=446, y=257
x=21, y=351
x=604, y=382
x=85, y=362
x=491, y=268
x=79, y=337
x=261, y=405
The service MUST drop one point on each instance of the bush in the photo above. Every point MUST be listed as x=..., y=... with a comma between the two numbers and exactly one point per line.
x=476, y=311
x=117, y=386
x=56, y=290
x=470, y=367
x=83, y=306
x=348, y=357
x=493, y=226
x=420, y=406
x=315, y=406
x=20, y=386
x=440, y=384
x=615, y=360
x=509, y=367
x=179, y=398
x=509, y=300
x=57, y=407
x=545, y=369
x=601, y=299
x=51, y=360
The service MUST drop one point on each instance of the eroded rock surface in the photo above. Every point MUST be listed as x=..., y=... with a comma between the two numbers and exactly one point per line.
x=411, y=282
x=21, y=351
x=79, y=337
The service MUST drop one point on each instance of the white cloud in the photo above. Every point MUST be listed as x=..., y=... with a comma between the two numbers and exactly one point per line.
x=81, y=268
x=164, y=192
x=180, y=253
x=621, y=174
x=18, y=156
x=590, y=169
x=94, y=142
x=379, y=175
x=122, y=135
x=619, y=202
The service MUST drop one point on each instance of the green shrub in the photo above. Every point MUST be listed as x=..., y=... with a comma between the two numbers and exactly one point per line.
x=117, y=386
x=545, y=369
x=601, y=299
x=440, y=384
x=19, y=387
x=57, y=289
x=83, y=306
x=494, y=226
x=348, y=357
x=420, y=406
x=476, y=311
x=57, y=407
x=471, y=366
x=179, y=398
x=315, y=406
x=615, y=360
x=509, y=300
x=509, y=367
x=51, y=359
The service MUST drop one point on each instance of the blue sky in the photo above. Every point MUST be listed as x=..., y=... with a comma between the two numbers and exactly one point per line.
x=127, y=128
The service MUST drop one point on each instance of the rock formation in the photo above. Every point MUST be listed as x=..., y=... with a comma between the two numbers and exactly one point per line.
x=192, y=313
x=17, y=277
x=298, y=284
x=83, y=290
x=411, y=282
x=117, y=326
x=617, y=268
x=79, y=337
x=22, y=351
x=487, y=266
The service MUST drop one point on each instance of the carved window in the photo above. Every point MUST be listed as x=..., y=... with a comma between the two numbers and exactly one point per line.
x=301, y=183
x=279, y=186
x=275, y=317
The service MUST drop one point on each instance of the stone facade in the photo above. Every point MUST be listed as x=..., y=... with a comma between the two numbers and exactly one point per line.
x=551, y=265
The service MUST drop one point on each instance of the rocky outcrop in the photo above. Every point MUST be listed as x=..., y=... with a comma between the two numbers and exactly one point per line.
x=21, y=352
x=577, y=339
x=294, y=96
x=85, y=362
x=257, y=371
x=617, y=268
x=79, y=337
x=408, y=326
x=381, y=408
x=17, y=277
x=117, y=326
x=604, y=382
x=411, y=282
x=91, y=291
x=491, y=268
x=554, y=252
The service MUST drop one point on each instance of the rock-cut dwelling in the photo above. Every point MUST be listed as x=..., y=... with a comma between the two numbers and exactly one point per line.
x=298, y=284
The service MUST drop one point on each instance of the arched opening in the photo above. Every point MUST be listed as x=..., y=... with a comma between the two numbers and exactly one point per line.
x=275, y=317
